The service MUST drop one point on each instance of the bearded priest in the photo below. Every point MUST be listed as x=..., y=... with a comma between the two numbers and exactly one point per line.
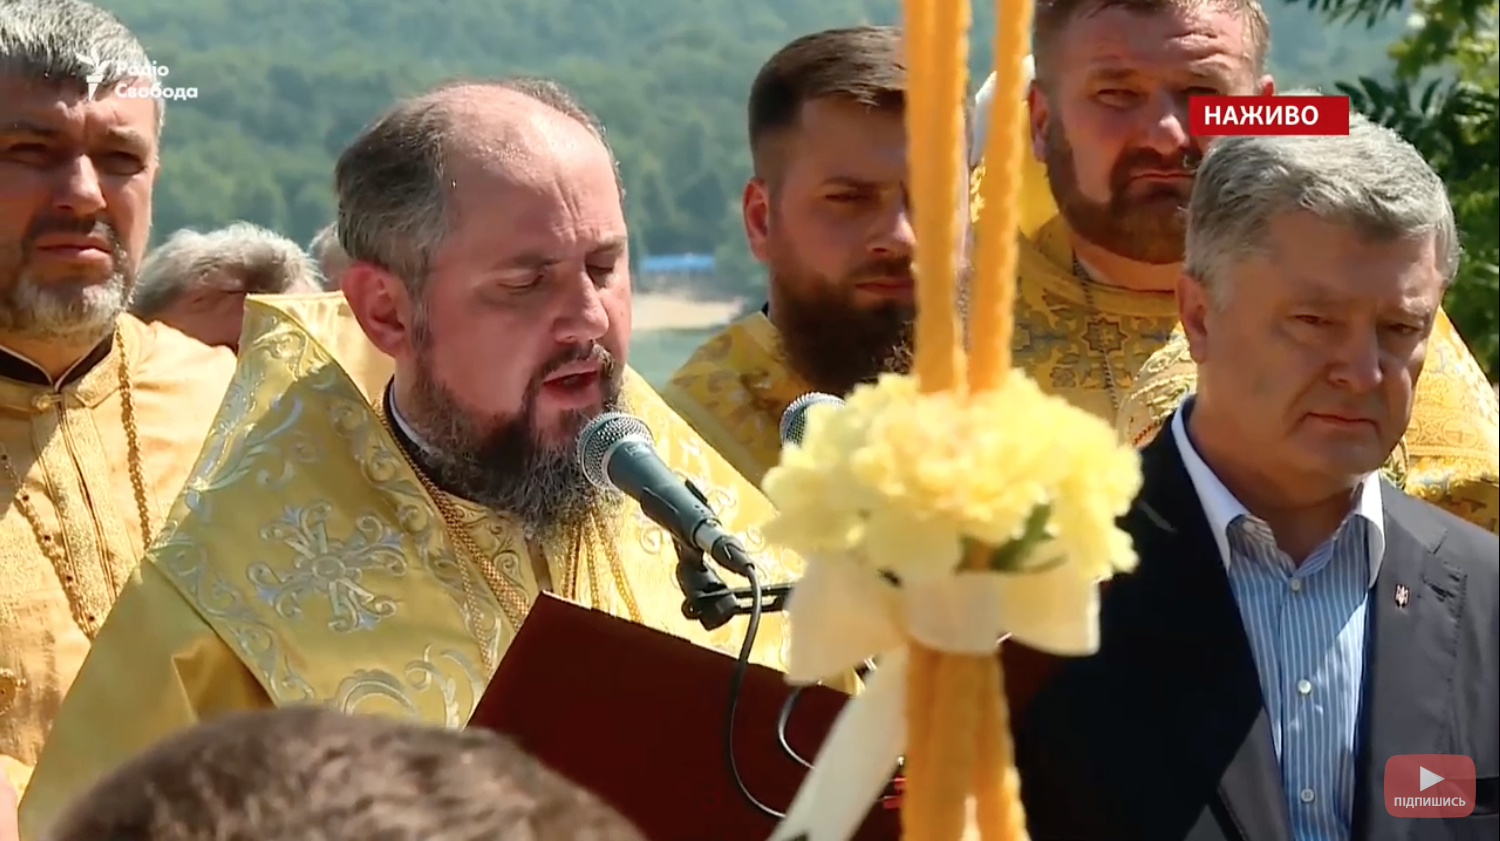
x=372, y=543
x=101, y=416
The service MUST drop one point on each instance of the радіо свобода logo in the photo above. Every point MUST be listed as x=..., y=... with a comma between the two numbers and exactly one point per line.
x=136, y=82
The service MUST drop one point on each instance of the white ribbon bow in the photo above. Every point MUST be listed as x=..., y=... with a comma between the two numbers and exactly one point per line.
x=843, y=613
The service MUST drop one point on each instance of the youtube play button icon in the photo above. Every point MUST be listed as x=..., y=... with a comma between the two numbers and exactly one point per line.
x=1429, y=785
x=1427, y=779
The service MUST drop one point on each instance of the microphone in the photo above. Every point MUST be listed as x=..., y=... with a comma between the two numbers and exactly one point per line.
x=617, y=453
x=794, y=419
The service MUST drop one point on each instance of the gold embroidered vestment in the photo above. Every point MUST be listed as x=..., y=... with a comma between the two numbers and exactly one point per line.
x=305, y=563
x=71, y=531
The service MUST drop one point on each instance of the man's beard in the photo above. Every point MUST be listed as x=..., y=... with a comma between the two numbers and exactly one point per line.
x=76, y=307
x=834, y=344
x=1147, y=225
x=502, y=463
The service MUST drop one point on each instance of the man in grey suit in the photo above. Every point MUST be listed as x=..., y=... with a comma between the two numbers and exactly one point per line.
x=1296, y=620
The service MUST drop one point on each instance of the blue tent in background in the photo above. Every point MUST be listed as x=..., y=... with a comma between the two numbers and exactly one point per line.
x=677, y=264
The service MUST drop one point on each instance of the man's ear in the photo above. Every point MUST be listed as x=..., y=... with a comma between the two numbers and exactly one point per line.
x=755, y=207
x=1193, y=308
x=1038, y=113
x=382, y=306
x=1267, y=85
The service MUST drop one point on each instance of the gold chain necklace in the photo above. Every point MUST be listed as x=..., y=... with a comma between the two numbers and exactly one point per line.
x=1091, y=335
x=54, y=550
x=512, y=601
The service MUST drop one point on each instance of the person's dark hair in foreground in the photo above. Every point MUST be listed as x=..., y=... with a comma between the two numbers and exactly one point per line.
x=308, y=774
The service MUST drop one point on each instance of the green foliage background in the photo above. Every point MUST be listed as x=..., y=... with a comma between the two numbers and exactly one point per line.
x=284, y=84
x=1442, y=96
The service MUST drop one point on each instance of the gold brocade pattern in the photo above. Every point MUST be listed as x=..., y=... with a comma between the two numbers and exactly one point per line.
x=309, y=544
x=72, y=542
x=733, y=391
x=1069, y=347
x=1450, y=455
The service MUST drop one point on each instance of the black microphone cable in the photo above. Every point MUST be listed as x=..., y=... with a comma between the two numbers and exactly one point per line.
x=737, y=685
x=784, y=721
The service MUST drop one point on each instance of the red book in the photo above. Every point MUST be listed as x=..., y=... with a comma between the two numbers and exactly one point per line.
x=637, y=716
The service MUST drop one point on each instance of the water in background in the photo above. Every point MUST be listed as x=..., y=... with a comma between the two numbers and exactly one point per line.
x=655, y=354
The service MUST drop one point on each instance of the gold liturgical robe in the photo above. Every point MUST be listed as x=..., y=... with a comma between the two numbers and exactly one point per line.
x=71, y=530
x=1450, y=455
x=733, y=391
x=305, y=562
x=1082, y=342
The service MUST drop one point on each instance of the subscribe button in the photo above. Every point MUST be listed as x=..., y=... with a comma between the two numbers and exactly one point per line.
x=1429, y=785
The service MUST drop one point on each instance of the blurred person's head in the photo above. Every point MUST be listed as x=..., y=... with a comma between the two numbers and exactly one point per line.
x=308, y=773
x=486, y=230
x=332, y=260
x=197, y=282
x=827, y=210
x=1109, y=109
x=77, y=165
x=1315, y=270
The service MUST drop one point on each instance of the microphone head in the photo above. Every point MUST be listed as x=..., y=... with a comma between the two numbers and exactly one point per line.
x=794, y=419
x=597, y=442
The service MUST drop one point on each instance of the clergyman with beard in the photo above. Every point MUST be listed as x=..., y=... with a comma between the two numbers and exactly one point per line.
x=826, y=213
x=369, y=536
x=101, y=416
x=1109, y=120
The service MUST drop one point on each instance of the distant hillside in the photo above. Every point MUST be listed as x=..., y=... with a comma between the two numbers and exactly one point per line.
x=284, y=84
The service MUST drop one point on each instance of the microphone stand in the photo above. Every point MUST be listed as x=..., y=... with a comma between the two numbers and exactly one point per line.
x=711, y=603
x=706, y=599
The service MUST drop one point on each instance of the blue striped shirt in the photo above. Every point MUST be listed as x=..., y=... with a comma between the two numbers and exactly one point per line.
x=1306, y=626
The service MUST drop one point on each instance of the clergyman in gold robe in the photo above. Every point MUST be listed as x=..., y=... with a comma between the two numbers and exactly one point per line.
x=101, y=416
x=371, y=543
x=826, y=213
x=1108, y=127
x=1096, y=315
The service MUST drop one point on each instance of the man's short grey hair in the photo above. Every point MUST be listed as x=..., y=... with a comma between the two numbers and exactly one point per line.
x=332, y=261
x=392, y=184
x=255, y=260
x=1371, y=180
x=57, y=40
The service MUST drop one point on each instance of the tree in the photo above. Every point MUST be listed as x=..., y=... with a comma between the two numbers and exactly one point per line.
x=1442, y=97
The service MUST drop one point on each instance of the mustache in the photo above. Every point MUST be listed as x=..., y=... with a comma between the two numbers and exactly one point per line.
x=96, y=225
x=889, y=267
x=1137, y=161
x=591, y=352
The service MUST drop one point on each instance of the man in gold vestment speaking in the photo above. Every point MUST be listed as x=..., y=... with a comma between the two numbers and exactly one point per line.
x=101, y=416
x=372, y=543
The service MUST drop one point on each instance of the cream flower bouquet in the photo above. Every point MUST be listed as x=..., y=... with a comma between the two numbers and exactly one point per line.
x=941, y=512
